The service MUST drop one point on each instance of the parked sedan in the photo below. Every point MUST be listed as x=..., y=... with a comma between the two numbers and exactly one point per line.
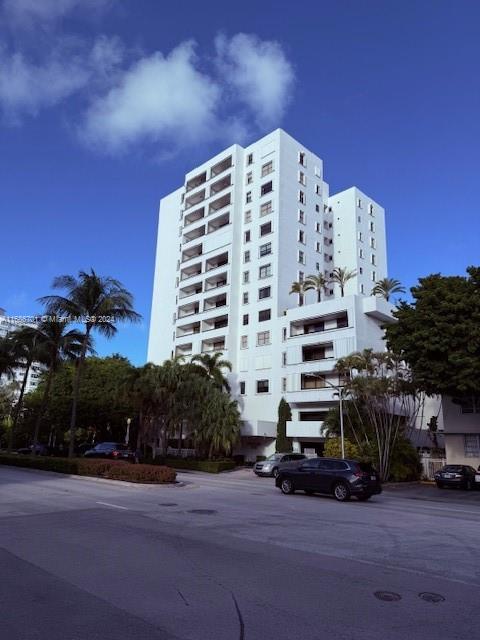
x=272, y=465
x=40, y=450
x=340, y=478
x=457, y=475
x=113, y=450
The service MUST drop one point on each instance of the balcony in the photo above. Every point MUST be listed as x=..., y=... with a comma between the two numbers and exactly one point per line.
x=183, y=349
x=220, y=167
x=192, y=252
x=317, y=352
x=190, y=271
x=216, y=261
x=219, y=203
x=215, y=302
x=188, y=329
x=220, y=185
x=188, y=310
x=212, y=345
x=190, y=290
x=378, y=308
x=198, y=232
x=215, y=282
x=217, y=322
x=305, y=429
x=192, y=217
x=195, y=182
x=218, y=222
x=318, y=324
x=195, y=199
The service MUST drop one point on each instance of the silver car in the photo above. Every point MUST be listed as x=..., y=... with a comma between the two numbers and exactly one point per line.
x=271, y=465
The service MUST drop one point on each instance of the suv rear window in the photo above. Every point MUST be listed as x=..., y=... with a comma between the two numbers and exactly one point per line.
x=366, y=466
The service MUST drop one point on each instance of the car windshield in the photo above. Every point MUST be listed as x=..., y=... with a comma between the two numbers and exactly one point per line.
x=274, y=456
x=105, y=445
x=453, y=467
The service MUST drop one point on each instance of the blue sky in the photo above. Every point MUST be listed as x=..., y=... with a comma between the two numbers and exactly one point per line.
x=105, y=104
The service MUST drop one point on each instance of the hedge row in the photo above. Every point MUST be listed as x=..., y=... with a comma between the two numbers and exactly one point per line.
x=210, y=466
x=112, y=469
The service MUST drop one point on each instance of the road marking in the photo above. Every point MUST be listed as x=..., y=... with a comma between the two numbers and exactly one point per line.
x=115, y=506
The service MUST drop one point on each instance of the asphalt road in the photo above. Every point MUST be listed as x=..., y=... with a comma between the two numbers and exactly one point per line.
x=231, y=558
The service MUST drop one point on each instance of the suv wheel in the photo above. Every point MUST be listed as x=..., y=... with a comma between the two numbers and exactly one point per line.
x=275, y=472
x=341, y=492
x=287, y=486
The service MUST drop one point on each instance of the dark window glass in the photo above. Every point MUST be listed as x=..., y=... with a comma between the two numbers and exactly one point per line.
x=266, y=188
x=264, y=315
x=262, y=386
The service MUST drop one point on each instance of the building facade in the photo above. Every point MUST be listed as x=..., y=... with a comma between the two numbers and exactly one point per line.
x=231, y=240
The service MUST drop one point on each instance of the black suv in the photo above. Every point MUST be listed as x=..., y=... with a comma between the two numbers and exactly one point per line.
x=341, y=478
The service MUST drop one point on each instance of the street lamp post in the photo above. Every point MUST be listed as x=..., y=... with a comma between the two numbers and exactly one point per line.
x=127, y=435
x=339, y=393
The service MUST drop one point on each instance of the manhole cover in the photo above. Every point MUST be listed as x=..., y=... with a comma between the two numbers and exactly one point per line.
x=431, y=597
x=387, y=596
x=203, y=511
x=167, y=504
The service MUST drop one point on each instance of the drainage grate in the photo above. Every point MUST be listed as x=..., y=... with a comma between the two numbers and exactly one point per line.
x=206, y=512
x=167, y=504
x=431, y=597
x=387, y=596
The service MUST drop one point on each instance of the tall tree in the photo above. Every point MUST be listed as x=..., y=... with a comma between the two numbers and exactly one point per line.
x=300, y=288
x=318, y=283
x=341, y=276
x=283, y=444
x=9, y=357
x=438, y=334
x=56, y=344
x=386, y=287
x=100, y=303
x=214, y=366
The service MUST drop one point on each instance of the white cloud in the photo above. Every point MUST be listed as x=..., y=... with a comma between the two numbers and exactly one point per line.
x=26, y=13
x=158, y=98
x=259, y=72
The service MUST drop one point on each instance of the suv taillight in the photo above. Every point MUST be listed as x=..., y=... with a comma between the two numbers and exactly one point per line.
x=115, y=454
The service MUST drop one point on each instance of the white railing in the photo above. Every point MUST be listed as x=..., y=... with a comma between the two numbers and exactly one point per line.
x=430, y=466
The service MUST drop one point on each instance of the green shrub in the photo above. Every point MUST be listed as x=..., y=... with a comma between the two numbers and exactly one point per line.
x=112, y=469
x=210, y=466
x=333, y=449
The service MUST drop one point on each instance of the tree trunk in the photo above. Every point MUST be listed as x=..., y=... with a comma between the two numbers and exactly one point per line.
x=319, y=296
x=76, y=389
x=19, y=406
x=180, y=434
x=43, y=407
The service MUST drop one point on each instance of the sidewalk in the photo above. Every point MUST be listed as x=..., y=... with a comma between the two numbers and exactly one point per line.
x=429, y=491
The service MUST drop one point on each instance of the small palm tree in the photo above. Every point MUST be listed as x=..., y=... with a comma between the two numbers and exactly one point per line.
x=387, y=287
x=99, y=302
x=299, y=287
x=213, y=365
x=318, y=283
x=56, y=345
x=8, y=356
x=341, y=276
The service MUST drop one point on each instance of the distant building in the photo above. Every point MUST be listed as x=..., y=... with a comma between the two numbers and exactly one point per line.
x=231, y=240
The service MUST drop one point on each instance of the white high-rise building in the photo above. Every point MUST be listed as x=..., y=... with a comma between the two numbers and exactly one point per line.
x=231, y=240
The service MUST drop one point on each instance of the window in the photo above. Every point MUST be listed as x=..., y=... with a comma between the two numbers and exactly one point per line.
x=469, y=404
x=362, y=288
x=359, y=218
x=284, y=334
x=267, y=168
x=370, y=209
x=360, y=270
x=245, y=297
x=302, y=158
x=318, y=227
x=372, y=259
x=374, y=276
x=266, y=188
x=301, y=276
x=318, y=248
x=372, y=227
x=244, y=342
x=265, y=271
x=301, y=257
x=373, y=244
x=265, y=314
x=318, y=190
x=312, y=381
x=263, y=338
x=317, y=266
x=248, y=216
x=247, y=236
x=301, y=197
x=248, y=197
x=265, y=229
x=359, y=203
x=245, y=319
x=249, y=177
x=301, y=178
x=342, y=321
x=242, y=387
x=360, y=236
x=301, y=236
x=301, y=216
x=328, y=258
x=262, y=386
x=246, y=256
x=265, y=249
x=265, y=208
x=264, y=292
x=250, y=159
x=284, y=357
x=246, y=277
x=317, y=208
x=360, y=253
x=284, y=385
x=472, y=445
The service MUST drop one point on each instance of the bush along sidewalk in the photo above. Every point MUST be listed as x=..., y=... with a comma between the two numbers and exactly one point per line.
x=210, y=466
x=110, y=469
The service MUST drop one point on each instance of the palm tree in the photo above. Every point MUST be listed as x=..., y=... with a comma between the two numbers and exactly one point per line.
x=56, y=344
x=341, y=276
x=386, y=287
x=300, y=288
x=213, y=365
x=99, y=302
x=8, y=356
x=318, y=283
